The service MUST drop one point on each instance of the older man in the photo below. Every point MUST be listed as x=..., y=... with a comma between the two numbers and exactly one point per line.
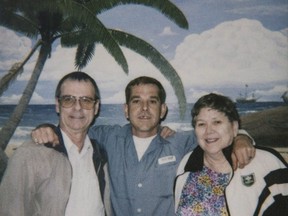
x=68, y=181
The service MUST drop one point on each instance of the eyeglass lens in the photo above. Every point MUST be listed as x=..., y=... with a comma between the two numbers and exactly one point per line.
x=68, y=101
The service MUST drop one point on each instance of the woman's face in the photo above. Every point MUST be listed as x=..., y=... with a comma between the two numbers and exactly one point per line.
x=214, y=131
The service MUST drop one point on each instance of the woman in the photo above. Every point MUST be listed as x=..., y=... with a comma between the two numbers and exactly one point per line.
x=205, y=182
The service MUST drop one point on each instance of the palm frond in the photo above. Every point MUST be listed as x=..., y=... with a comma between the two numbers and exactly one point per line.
x=18, y=23
x=157, y=59
x=84, y=54
x=88, y=37
x=167, y=8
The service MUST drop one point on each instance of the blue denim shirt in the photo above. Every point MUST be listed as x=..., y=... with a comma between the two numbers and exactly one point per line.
x=142, y=187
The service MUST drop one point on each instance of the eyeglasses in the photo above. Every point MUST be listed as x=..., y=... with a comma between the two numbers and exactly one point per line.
x=67, y=101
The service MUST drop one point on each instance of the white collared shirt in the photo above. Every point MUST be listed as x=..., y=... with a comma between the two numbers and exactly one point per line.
x=85, y=198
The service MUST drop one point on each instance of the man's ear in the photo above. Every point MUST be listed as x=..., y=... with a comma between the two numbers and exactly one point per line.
x=57, y=105
x=97, y=104
x=126, y=110
x=163, y=110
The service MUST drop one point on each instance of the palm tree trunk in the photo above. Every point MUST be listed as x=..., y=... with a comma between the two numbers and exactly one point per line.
x=3, y=163
x=10, y=126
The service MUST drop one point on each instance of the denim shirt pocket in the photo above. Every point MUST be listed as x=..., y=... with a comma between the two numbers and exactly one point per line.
x=164, y=175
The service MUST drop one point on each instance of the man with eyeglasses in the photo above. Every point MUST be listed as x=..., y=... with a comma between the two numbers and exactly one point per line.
x=142, y=164
x=68, y=181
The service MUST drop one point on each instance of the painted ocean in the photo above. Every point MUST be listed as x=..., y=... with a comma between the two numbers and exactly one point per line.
x=109, y=114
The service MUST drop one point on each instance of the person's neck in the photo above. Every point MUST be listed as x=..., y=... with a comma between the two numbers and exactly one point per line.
x=145, y=137
x=77, y=138
x=217, y=163
x=145, y=134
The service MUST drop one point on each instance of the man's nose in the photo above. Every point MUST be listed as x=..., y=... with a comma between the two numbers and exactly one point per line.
x=144, y=105
x=77, y=105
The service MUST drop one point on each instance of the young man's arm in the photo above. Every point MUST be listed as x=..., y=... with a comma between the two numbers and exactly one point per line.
x=243, y=150
x=45, y=133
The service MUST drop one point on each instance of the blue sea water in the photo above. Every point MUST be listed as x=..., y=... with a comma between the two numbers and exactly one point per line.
x=109, y=114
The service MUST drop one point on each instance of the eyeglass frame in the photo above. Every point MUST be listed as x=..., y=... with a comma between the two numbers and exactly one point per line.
x=75, y=99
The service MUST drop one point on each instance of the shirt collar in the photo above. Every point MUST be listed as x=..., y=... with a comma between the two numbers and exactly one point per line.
x=69, y=145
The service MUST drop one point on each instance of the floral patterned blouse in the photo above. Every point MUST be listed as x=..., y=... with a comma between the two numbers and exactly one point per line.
x=203, y=194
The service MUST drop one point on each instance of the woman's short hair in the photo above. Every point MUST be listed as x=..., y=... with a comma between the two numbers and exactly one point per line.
x=217, y=102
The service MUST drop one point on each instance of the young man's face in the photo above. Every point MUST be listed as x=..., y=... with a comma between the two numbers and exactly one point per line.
x=144, y=110
x=77, y=118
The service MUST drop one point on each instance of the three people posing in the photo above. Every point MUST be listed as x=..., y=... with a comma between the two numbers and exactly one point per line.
x=142, y=164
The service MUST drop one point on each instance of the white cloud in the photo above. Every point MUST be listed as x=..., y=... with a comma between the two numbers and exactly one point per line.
x=38, y=99
x=13, y=48
x=167, y=31
x=232, y=53
x=10, y=99
x=118, y=97
x=285, y=32
x=195, y=94
x=19, y=48
x=274, y=92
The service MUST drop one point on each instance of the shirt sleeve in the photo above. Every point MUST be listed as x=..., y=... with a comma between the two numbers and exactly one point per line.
x=244, y=132
x=185, y=140
x=101, y=134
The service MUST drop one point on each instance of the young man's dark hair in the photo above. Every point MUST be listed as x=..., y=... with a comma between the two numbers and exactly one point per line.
x=145, y=80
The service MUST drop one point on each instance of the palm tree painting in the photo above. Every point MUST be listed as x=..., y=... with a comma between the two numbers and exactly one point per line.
x=76, y=24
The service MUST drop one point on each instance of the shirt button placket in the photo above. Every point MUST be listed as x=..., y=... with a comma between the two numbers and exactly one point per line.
x=139, y=210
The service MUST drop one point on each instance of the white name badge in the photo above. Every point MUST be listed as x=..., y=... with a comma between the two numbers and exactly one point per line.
x=166, y=159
